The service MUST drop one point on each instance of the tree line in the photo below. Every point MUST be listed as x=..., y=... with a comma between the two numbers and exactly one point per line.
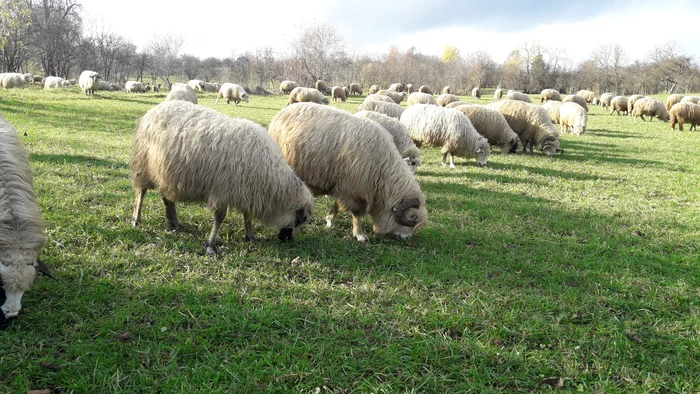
x=48, y=37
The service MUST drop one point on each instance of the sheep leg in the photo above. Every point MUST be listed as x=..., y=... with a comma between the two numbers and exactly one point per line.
x=444, y=158
x=249, y=234
x=330, y=218
x=136, y=218
x=452, y=160
x=219, y=216
x=357, y=228
x=171, y=214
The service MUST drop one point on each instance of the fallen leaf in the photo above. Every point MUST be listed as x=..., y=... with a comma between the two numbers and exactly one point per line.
x=123, y=337
x=51, y=366
x=554, y=381
x=498, y=342
x=631, y=335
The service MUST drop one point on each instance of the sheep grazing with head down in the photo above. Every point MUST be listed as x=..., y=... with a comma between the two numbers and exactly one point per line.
x=354, y=160
x=445, y=99
x=181, y=91
x=575, y=98
x=409, y=88
x=549, y=94
x=476, y=93
x=425, y=89
x=389, y=109
x=491, y=124
x=374, y=89
x=321, y=86
x=683, y=113
x=346, y=90
x=497, y=94
x=605, y=99
x=651, y=107
x=190, y=153
x=399, y=134
x=287, y=86
x=690, y=99
x=420, y=98
x=134, y=87
x=590, y=97
x=447, y=90
x=396, y=87
x=396, y=96
x=447, y=128
x=514, y=95
x=378, y=97
x=618, y=104
x=631, y=100
x=15, y=80
x=572, y=116
x=355, y=88
x=301, y=94
x=88, y=81
x=117, y=86
x=21, y=227
x=338, y=93
x=672, y=100
x=553, y=107
x=232, y=92
x=532, y=123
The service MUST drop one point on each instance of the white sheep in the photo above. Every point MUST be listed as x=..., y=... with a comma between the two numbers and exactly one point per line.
x=420, y=98
x=605, y=99
x=514, y=95
x=396, y=87
x=15, y=80
x=532, y=123
x=553, y=107
x=355, y=88
x=399, y=134
x=211, y=87
x=379, y=97
x=374, y=89
x=590, y=97
x=396, y=96
x=549, y=94
x=690, y=99
x=287, y=86
x=446, y=98
x=476, y=93
x=354, y=160
x=425, y=89
x=573, y=116
x=447, y=128
x=54, y=83
x=493, y=125
x=181, y=91
x=232, y=92
x=196, y=84
x=630, y=103
x=88, y=81
x=672, y=100
x=134, y=87
x=575, y=98
x=104, y=85
x=190, y=153
x=338, y=93
x=389, y=109
x=447, y=90
x=651, y=107
x=619, y=104
x=21, y=227
x=321, y=86
x=301, y=94
x=409, y=88
x=683, y=113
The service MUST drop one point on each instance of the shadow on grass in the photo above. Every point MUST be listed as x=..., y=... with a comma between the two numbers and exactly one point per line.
x=76, y=159
x=550, y=172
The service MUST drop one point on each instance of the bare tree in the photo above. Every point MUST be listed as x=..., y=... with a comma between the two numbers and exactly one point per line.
x=670, y=63
x=210, y=68
x=15, y=21
x=319, y=47
x=112, y=51
x=56, y=34
x=528, y=51
x=480, y=68
x=610, y=59
x=191, y=66
x=164, y=50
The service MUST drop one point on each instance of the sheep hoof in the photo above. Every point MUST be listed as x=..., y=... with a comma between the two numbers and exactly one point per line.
x=362, y=238
x=134, y=223
x=329, y=221
x=212, y=250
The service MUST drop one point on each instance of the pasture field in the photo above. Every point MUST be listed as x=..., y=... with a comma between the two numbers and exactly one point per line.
x=583, y=266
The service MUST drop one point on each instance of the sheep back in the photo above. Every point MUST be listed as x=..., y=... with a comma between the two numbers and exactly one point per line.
x=287, y=86
x=589, y=95
x=549, y=94
x=232, y=92
x=631, y=100
x=374, y=89
x=301, y=94
x=355, y=88
x=378, y=97
x=497, y=94
x=338, y=93
x=575, y=98
x=389, y=109
x=321, y=86
x=531, y=122
x=605, y=99
x=447, y=90
x=134, y=87
x=447, y=98
x=618, y=104
x=396, y=87
x=690, y=99
x=399, y=135
x=651, y=107
x=493, y=125
x=420, y=98
x=181, y=91
x=572, y=115
x=476, y=93
x=425, y=89
x=683, y=113
x=513, y=95
x=553, y=108
x=396, y=96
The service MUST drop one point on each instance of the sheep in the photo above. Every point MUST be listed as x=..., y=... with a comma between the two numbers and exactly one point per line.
x=445, y=99
x=456, y=104
x=38, y=79
x=301, y=94
x=553, y=107
x=156, y=89
x=619, y=104
x=117, y=86
x=232, y=92
x=409, y=88
x=447, y=128
x=104, y=85
x=134, y=87
x=497, y=94
x=605, y=99
x=590, y=97
x=181, y=91
x=572, y=115
x=88, y=82
x=356, y=88
x=15, y=80
x=191, y=153
x=321, y=86
x=287, y=86
x=549, y=94
x=379, y=97
x=673, y=99
x=631, y=101
x=420, y=98
x=690, y=99
x=447, y=90
x=210, y=87
x=683, y=113
x=396, y=87
x=337, y=93
x=425, y=89
x=513, y=95
x=66, y=84
x=374, y=89
x=532, y=123
x=652, y=107
x=147, y=87
x=53, y=83
x=399, y=134
x=396, y=96
x=389, y=109
x=354, y=160
x=196, y=84
x=476, y=93
x=493, y=125
x=346, y=90
x=575, y=98
x=21, y=227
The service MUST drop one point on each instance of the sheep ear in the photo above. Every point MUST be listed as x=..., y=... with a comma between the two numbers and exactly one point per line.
x=42, y=268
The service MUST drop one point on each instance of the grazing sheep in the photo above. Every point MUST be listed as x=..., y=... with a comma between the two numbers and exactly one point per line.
x=618, y=104
x=683, y=113
x=346, y=90
x=181, y=91
x=54, y=83
x=15, y=80
x=354, y=160
x=409, y=88
x=396, y=96
x=379, y=97
x=156, y=89
x=420, y=98
x=301, y=94
x=447, y=128
x=196, y=84
x=38, y=79
x=513, y=95
x=134, y=87
x=337, y=93
x=104, y=85
x=210, y=87
x=549, y=94
x=497, y=94
x=493, y=125
x=117, y=86
x=287, y=86
x=672, y=100
x=572, y=115
x=445, y=99
x=690, y=99
x=356, y=88
x=456, y=104
x=476, y=93
x=631, y=101
x=396, y=87
x=190, y=153
x=605, y=99
x=590, y=97
x=425, y=89
x=321, y=86
x=399, y=134
x=389, y=109
x=574, y=98
x=232, y=92
x=447, y=90
x=532, y=123
x=21, y=227
x=88, y=82
x=374, y=89
x=147, y=87
x=651, y=107
x=553, y=107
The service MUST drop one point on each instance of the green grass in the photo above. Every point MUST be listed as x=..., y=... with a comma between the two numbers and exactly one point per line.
x=584, y=266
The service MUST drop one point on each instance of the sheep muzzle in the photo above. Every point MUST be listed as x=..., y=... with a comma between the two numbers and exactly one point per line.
x=286, y=234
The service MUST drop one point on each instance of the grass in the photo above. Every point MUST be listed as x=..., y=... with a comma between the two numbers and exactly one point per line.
x=583, y=266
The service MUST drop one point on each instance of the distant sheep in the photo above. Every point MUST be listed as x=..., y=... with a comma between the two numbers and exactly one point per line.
x=88, y=82
x=396, y=96
x=553, y=107
x=573, y=116
x=337, y=93
x=321, y=86
x=493, y=125
x=476, y=93
x=683, y=113
x=55, y=83
x=15, y=80
x=287, y=86
x=574, y=98
x=631, y=101
x=605, y=99
x=210, y=87
x=513, y=95
x=346, y=90
x=447, y=90
x=690, y=99
x=354, y=160
x=396, y=87
x=356, y=88
x=445, y=99
x=232, y=92
x=532, y=123
x=196, y=84
x=374, y=89
x=409, y=88
x=117, y=86
x=379, y=97
x=497, y=94
x=301, y=94
x=549, y=94
x=651, y=107
x=181, y=91
x=590, y=97
x=389, y=109
x=456, y=104
x=38, y=78
x=420, y=98
x=447, y=128
x=399, y=134
x=134, y=87
x=425, y=89
x=190, y=153
x=104, y=85
x=618, y=104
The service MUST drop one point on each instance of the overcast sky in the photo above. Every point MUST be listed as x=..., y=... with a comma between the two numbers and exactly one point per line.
x=220, y=28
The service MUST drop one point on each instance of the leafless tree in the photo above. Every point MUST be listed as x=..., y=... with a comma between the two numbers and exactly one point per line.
x=164, y=50
x=15, y=21
x=56, y=34
x=670, y=63
x=112, y=51
x=191, y=66
x=480, y=68
x=610, y=59
x=319, y=47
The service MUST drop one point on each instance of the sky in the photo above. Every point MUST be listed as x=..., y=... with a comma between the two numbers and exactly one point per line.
x=221, y=28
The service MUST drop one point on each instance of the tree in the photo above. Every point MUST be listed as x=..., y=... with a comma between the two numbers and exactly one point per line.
x=191, y=66
x=56, y=34
x=670, y=63
x=319, y=47
x=164, y=50
x=450, y=54
x=15, y=21
x=210, y=68
x=112, y=51
x=610, y=59
x=480, y=68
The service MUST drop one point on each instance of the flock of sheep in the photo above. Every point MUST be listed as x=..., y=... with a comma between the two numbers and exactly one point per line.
x=366, y=160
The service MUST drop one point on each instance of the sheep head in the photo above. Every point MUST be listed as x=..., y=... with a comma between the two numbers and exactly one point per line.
x=483, y=150
x=18, y=269
x=550, y=145
x=300, y=217
x=403, y=220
